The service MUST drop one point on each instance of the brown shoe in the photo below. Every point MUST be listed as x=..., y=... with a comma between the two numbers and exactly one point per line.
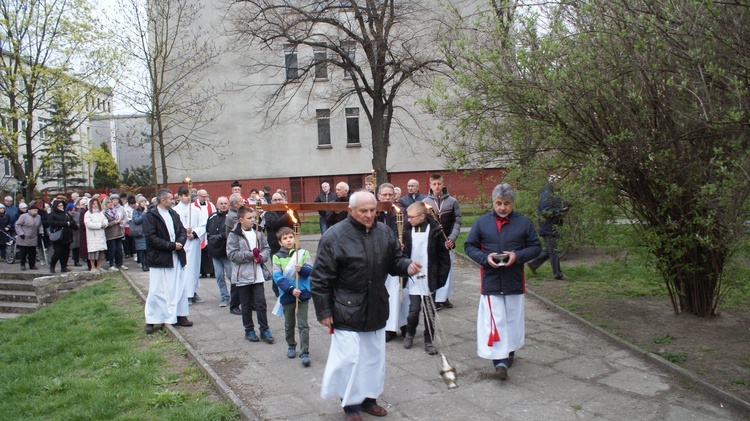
x=183, y=321
x=430, y=348
x=149, y=328
x=376, y=410
x=408, y=341
x=353, y=417
x=502, y=372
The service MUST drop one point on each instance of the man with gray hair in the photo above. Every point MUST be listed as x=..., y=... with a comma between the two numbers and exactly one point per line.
x=348, y=287
x=325, y=196
x=342, y=195
x=11, y=210
x=501, y=242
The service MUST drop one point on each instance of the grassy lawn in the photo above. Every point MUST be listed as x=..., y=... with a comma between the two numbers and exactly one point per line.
x=87, y=357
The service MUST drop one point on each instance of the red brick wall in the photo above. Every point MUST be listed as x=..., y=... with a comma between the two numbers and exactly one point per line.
x=464, y=185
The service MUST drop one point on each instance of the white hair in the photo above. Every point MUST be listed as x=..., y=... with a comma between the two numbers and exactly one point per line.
x=355, y=197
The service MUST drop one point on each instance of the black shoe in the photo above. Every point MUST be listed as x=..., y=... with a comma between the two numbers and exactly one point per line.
x=430, y=348
x=389, y=336
x=236, y=311
x=51, y=270
x=77, y=264
x=438, y=306
x=561, y=278
x=511, y=357
x=66, y=270
x=447, y=304
x=149, y=328
x=33, y=268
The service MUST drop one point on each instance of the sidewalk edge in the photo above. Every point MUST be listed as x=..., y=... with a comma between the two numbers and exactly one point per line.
x=219, y=384
x=717, y=392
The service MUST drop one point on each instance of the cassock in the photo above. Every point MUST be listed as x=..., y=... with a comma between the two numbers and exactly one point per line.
x=355, y=361
x=167, y=297
x=192, y=218
x=505, y=313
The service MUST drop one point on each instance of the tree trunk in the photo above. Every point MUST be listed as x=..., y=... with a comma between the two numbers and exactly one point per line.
x=379, y=144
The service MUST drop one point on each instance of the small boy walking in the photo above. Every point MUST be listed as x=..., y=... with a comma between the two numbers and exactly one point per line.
x=291, y=271
x=247, y=249
x=424, y=242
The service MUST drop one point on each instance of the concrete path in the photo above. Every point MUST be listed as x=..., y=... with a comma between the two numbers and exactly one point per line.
x=566, y=371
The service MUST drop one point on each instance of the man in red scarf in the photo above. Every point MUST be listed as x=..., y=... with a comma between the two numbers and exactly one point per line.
x=501, y=242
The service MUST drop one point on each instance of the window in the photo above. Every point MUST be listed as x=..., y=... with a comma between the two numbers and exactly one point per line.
x=290, y=61
x=6, y=167
x=324, y=127
x=352, y=126
x=350, y=48
x=321, y=67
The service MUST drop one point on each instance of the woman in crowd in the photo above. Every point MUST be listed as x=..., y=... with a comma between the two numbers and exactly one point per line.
x=76, y=243
x=61, y=226
x=83, y=250
x=28, y=231
x=136, y=230
x=115, y=234
x=96, y=239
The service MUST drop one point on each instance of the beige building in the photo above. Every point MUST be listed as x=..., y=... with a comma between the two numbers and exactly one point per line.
x=304, y=132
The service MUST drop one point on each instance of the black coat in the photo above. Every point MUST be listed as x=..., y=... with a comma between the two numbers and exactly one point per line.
x=348, y=278
x=275, y=220
x=158, y=247
x=333, y=217
x=438, y=257
x=216, y=235
x=61, y=220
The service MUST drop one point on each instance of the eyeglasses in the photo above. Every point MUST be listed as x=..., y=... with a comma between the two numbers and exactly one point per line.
x=413, y=216
x=387, y=194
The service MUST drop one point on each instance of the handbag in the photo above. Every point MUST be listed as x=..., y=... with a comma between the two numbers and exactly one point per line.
x=55, y=236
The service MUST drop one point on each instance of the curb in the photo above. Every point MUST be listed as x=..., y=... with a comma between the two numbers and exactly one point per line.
x=717, y=392
x=224, y=389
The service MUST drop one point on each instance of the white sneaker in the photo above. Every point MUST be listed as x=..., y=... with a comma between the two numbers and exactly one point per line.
x=113, y=269
x=135, y=258
x=123, y=267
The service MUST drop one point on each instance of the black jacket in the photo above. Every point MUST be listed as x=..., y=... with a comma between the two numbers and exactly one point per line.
x=274, y=220
x=60, y=220
x=333, y=217
x=158, y=247
x=325, y=198
x=216, y=233
x=348, y=278
x=438, y=257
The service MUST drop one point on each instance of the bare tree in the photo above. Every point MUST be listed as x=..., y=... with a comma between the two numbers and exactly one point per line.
x=49, y=48
x=171, y=56
x=382, y=46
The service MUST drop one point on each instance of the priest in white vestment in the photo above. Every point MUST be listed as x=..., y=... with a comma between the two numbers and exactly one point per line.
x=165, y=256
x=195, y=223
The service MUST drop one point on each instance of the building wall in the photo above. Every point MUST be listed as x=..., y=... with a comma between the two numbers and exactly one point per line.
x=254, y=141
x=464, y=185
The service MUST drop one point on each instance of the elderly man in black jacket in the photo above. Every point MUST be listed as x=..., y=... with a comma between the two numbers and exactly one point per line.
x=165, y=238
x=348, y=285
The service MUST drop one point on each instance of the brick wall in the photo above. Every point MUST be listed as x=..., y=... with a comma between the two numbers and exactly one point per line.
x=464, y=185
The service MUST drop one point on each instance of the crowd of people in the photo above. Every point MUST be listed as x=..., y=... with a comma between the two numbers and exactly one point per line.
x=371, y=279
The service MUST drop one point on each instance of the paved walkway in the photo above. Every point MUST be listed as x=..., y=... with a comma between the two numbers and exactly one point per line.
x=566, y=371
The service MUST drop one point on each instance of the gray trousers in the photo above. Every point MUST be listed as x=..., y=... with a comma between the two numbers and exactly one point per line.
x=549, y=251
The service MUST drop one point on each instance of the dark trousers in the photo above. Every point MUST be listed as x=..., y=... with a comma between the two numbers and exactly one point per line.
x=207, y=264
x=300, y=321
x=234, y=296
x=549, y=251
x=60, y=254
x=27, y=253
x=142, y=259
x=323, y=223
x=128, y=243
x=74, y=253
x=253, y=297
x=412, y=320
x=114, y=252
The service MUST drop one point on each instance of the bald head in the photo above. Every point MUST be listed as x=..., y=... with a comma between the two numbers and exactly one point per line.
x=412, y=186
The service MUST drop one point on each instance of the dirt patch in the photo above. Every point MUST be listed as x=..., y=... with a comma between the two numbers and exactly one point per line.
x=716, y=348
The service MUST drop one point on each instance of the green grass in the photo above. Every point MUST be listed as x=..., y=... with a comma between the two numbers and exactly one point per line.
x=87, y=357
x=675, y=357
x=662, y=339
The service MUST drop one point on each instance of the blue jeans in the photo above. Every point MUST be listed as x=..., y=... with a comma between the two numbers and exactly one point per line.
x=222, y=266
x=323, y=224
x=114, y=252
